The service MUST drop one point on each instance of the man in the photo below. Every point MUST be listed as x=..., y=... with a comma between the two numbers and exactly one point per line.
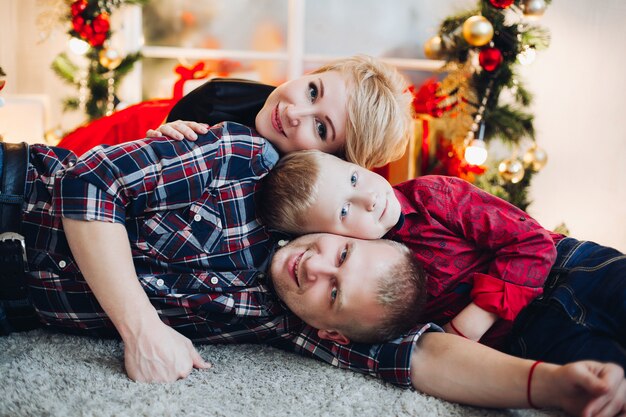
x=135, y=279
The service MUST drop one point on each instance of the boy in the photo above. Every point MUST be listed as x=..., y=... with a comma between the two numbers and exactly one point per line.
x=486, y=259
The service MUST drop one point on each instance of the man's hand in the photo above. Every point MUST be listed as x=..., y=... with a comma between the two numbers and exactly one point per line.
x=160, y=354
x=584, y=388
x=179, y=130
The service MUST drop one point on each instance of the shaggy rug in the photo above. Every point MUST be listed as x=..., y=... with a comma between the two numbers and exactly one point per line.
x=47, y=374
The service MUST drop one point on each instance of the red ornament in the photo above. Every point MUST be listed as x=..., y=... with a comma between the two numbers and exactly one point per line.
x=78, y=7
x=501, y=4
x=101, y=23
x=490, y=58
x=78, y=23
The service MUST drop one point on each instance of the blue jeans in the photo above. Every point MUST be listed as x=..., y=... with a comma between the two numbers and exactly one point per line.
x=582, y=313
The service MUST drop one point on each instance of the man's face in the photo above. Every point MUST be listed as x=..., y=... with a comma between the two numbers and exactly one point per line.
x=309, y=112
x=351, y=201
x=329, y=280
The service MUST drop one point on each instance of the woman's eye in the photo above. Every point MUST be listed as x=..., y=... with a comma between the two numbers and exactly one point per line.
x=312, y=92
x=344, y=211
x=353, y=179
x=321, y=129
x=333, y=293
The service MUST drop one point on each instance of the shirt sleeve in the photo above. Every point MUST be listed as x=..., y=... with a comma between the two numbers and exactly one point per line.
x=110, y=183
x=389, y=361
x=523, y=251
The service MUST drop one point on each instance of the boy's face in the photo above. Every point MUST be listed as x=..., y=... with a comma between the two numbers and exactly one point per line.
x=309, y=112
x=352, y=201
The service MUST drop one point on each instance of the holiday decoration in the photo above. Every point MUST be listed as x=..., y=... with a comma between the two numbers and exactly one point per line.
x=433, y=48
x=99, y=68
x=501, y=4
x=477, y=31
x=511, y=170
x=482, y=48
x=534, y=8
x=490, y=58
x=535, y=158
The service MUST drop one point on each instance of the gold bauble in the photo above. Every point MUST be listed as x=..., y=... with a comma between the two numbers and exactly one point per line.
x=477, y=31
x=534, y=8
x=433, y=47
x=535, y=158
x=109, y=58
x=511, y=170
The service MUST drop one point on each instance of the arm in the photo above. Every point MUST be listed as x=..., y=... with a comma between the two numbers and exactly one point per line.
x=455, y=369
x=520, y=252
x=472, y=322
x=153, y=352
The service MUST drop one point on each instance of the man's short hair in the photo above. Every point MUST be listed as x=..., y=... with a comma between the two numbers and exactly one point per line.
x=379, y=111
x=402, y=293
x=289, y=190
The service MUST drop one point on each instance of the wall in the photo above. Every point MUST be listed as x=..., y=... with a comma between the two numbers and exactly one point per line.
x=578, y=86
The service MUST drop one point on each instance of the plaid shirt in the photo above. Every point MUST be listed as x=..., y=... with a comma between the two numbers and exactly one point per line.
x=199, y=251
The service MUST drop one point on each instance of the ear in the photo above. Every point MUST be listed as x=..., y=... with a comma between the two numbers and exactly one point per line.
x=333, y=335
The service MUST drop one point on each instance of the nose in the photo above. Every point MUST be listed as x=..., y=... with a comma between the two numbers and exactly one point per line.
x=368, y=200
x=295, y=113
x=317, y=268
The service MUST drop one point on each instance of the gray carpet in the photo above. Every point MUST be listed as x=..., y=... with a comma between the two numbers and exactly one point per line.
x=46, y=374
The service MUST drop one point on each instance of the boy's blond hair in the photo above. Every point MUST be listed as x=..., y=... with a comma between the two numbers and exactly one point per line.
x=289, y=190
x=379, y=111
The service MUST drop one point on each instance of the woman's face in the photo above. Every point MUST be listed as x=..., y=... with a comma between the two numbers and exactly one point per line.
x=309, y=112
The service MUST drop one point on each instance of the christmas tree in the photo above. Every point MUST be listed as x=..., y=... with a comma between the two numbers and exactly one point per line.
x=96, y=80
x=482, y=99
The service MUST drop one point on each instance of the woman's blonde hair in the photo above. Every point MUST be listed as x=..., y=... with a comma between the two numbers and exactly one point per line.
x=379, y=111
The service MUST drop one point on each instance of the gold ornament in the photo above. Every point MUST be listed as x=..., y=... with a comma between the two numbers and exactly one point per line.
x=535, y=158
x=110, y=58
x=477, y=31
x=534, y=8
x=433, y=47
x=511, y=170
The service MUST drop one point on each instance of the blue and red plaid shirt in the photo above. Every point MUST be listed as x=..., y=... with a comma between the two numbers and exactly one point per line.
x=199, y=251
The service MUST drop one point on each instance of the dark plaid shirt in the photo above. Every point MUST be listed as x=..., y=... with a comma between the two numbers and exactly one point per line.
x=199, y=251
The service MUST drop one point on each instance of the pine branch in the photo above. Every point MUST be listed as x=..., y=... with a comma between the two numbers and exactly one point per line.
x=508, y=124
x=65, y=68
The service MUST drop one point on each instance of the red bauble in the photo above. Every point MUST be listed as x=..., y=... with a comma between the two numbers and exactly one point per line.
x=101, y=23
x=78, y=23
x=78, y=7
x=501, y=4
x=490, y=58
x=97, y=40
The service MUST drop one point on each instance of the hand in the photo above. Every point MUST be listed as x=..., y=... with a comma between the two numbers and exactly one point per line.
x=589, y=388
x=179, y=130
x=160, y=354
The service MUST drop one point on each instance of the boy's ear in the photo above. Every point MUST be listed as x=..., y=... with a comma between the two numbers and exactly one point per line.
x=334, y=336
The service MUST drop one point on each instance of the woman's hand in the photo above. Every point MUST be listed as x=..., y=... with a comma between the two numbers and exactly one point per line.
x=179, y=130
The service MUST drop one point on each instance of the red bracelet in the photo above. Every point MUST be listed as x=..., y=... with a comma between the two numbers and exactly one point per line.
x=530, y=377
x=457, y=330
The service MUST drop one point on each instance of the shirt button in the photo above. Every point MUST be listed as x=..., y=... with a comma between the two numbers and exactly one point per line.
x=197, y=217
x=214, y=280
x=261, y=275
x=522, y=219
x=71, y=163
x=62, y=264
x=160, y=282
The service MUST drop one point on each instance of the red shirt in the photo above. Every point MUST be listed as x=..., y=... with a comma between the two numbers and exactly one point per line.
x=474, y=247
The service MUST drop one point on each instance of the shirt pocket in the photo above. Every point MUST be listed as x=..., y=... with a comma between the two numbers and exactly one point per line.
x=178, y=235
